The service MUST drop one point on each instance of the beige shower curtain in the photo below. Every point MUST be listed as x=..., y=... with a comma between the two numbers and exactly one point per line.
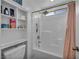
x=70, y=38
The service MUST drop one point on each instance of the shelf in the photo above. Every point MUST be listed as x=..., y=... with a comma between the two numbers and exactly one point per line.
x=21, y=19
x=19, y=15
x=12, y=36
x=13, y=28
x=7, y=16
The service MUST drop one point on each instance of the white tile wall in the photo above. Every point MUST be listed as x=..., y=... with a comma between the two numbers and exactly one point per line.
x=53, y=29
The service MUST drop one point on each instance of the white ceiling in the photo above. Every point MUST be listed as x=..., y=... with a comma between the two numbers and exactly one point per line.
x=40, y=4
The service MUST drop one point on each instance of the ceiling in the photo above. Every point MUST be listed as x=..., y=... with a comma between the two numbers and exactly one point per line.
x=34, y=5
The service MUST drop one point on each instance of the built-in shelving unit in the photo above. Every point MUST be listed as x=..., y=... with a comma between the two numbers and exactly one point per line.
x=13, y=15
x=13, y=24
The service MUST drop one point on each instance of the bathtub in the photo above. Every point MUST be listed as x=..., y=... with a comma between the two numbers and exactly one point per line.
x=41, y=54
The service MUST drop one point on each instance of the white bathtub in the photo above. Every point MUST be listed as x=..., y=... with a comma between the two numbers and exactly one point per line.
x=41, y=54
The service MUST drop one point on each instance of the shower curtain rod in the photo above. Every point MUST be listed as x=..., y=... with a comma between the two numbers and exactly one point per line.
x=52, y=7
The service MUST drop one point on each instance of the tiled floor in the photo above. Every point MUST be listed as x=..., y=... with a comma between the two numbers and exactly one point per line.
x=41, y=55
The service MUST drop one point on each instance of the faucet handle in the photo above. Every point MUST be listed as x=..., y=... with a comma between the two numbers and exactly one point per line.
x=76, y=49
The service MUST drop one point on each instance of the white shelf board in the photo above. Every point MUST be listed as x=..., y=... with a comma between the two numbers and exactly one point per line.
x=14, y=29
x=7, y=16
x=22, y=19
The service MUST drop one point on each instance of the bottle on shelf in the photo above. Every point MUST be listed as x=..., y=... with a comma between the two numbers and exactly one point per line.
x=11, y=12
x=12, y=23
x=4, y=25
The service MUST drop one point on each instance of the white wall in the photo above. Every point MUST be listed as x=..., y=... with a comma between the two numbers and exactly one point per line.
x=29, y=36
x=29, y=51
x=77, y=26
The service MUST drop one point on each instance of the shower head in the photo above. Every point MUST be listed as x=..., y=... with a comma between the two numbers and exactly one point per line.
x=45, y=12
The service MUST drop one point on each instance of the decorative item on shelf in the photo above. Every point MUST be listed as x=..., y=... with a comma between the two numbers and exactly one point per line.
x=12, y=23
x=1, y=8
x=6, y=11
x=11, y=12
x=20, y=26
x=22, y=17
x=4, y=25
x=18, y=1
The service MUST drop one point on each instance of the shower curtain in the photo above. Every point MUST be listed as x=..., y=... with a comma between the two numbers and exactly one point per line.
x=70, y=39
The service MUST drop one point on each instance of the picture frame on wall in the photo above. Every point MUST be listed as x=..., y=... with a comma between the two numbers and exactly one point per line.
x=18, y=1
